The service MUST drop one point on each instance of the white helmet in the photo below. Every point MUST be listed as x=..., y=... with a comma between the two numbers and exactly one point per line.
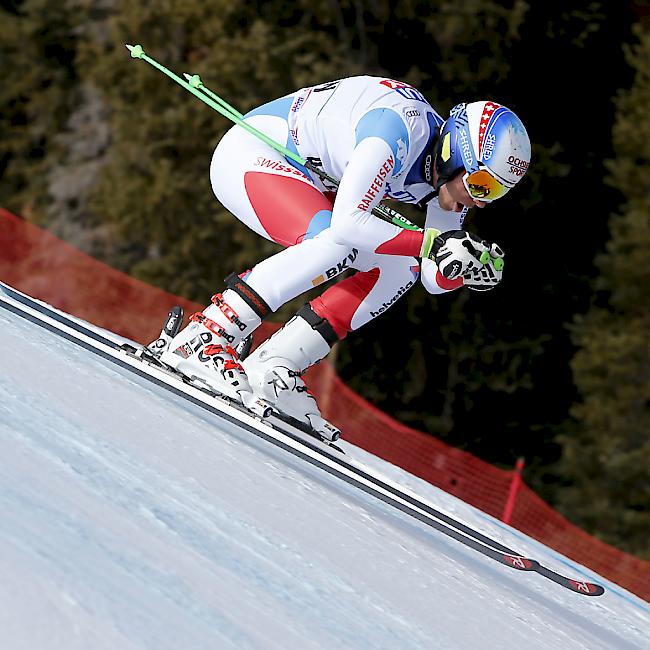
x=483, y=136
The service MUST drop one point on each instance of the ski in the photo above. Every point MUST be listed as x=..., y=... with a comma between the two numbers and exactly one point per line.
x=522, y=563
x=273, y=417
x=466, y=535
x=286, y=435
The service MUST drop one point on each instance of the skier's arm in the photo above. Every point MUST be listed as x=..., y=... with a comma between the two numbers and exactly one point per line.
x=453, y=263
x=430, y=276
x=381, y=142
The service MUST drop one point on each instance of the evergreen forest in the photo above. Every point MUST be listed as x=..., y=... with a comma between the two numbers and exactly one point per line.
x=552, y=366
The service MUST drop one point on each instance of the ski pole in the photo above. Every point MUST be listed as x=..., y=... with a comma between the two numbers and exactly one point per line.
x=193, y=84
x=137, y=52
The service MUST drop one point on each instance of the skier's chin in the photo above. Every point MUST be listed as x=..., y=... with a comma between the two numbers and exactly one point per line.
x=447, y=202
x=450, y=205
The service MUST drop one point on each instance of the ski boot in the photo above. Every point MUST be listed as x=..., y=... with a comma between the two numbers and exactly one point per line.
x=170, y=329
x=275, y=369
x=204, y=352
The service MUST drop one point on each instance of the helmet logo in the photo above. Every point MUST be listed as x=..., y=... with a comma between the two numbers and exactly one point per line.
x=488, y=146
x=446, y=147
x=466, y=147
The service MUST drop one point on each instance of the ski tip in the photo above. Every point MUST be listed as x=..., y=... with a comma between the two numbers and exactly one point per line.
x=587, y=588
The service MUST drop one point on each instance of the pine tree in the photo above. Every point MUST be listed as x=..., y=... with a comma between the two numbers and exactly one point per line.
x=37, y=45
x=607, y=457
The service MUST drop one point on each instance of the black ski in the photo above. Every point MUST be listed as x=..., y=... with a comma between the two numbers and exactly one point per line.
x=399, y=499
x=144, y=354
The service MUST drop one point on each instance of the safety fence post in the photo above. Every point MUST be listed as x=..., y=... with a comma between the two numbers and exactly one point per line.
x=512, y=492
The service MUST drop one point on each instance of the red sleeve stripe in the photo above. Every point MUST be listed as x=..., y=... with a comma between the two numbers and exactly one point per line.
x=407, y=242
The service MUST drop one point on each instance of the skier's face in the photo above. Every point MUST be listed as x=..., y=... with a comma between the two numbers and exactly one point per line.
x=453, y=196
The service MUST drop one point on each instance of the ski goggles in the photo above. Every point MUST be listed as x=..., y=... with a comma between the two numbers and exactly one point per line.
x=483, y=186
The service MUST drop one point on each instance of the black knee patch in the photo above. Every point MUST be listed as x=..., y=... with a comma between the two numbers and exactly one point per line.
x=248, y=295
x=319, y=324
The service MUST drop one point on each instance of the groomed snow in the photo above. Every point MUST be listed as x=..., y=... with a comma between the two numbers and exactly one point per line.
x=131, y=519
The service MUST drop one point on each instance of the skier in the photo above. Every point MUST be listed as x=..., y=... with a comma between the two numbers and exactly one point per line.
x=382, y=139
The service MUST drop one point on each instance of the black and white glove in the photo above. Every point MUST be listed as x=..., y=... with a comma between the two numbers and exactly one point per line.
x=489, y=275
x=459, y=253
x=456, y=252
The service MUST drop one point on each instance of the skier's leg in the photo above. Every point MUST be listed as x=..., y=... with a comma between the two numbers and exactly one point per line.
x=279, y=202
x=380, y=282
x=282, y=204
x=275, y=367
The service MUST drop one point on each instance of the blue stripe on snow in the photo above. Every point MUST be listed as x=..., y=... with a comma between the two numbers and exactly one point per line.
x=612, y=587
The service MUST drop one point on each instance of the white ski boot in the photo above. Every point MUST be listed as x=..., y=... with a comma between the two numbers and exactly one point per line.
x=274, y=370
x=204, y=351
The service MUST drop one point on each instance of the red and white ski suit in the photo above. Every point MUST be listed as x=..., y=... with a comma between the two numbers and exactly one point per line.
x=372, y=134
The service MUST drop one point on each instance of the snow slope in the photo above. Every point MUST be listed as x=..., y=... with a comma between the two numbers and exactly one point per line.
x=131, y=519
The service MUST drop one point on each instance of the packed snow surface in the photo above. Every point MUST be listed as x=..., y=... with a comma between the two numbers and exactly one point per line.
x=132, y=519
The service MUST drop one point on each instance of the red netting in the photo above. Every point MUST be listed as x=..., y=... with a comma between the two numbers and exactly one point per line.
x=47, y=268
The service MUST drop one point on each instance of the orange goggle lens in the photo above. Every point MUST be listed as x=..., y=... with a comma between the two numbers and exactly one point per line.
x=482, y=186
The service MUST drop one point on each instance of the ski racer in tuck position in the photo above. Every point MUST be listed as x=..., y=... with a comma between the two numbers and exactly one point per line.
x=382, y=139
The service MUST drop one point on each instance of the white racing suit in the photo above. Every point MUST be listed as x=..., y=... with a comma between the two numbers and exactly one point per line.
x=372, y=134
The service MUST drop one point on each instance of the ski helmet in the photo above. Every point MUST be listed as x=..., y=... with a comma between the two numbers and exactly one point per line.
x=483, y=136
